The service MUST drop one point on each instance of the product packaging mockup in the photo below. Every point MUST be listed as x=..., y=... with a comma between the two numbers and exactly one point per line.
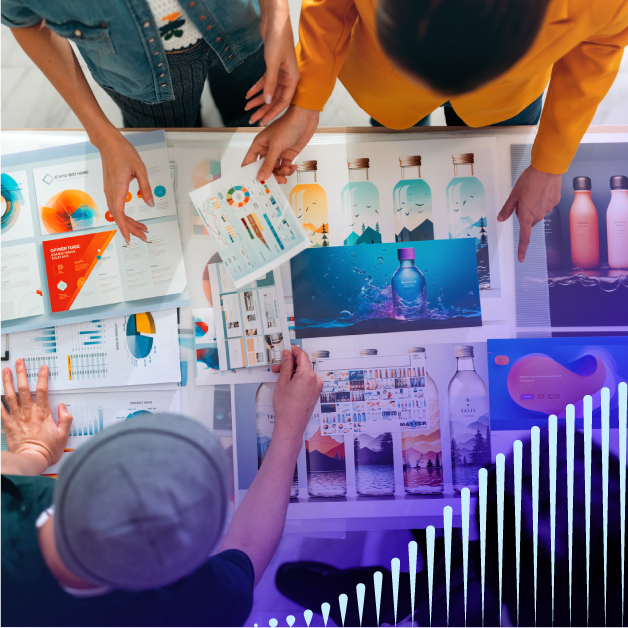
x=422, y=452
x=309, y=201
x=408, y=288
x=466, y=208
x=360, y=204
x=412, y=200
x=617, y=223
x=583, y=227
x=469, y=423
x=265, y=418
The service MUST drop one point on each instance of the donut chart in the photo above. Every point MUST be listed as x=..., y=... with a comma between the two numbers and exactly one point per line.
x=238, y=196
x=138, y=328
x=136, y=413
x=11, y=200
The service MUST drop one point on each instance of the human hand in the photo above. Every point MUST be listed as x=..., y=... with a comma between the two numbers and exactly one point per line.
x=282, y=72
x=296, y=394
x=30, y=428
x=121, y=164
x=534, y=195
x=281, y=142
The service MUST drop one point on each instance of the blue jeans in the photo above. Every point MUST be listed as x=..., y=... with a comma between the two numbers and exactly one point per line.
x=529, y=116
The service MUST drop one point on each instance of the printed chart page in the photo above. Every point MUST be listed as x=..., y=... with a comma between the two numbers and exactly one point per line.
x=93, y=413
x=63, y=258
x=130, y=350
x=251, y=223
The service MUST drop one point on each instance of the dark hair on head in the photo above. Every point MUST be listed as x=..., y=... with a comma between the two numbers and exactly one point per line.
x=456, y=46
x=562, y=601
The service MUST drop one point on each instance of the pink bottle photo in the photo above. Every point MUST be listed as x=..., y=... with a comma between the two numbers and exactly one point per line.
x=583, y=227
x=617, y=223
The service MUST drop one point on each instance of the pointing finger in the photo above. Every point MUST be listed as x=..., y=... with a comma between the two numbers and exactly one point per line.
x=41, y=392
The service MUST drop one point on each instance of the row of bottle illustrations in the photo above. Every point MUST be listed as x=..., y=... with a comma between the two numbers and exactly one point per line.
x=412, y=204
x=584, y=228
x=469, y=429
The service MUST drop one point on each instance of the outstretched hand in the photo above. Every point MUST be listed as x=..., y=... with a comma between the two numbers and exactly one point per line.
x=29, y=427
x=121, y=164
x=297, y=391
x=534, y=195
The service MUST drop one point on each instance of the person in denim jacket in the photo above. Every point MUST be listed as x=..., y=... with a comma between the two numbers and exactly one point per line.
x=152, y=57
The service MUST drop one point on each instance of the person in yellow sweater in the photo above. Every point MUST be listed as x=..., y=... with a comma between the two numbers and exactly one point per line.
x=490, y=60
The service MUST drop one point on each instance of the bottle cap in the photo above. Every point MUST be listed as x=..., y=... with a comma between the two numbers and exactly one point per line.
x=464, y=351
x=359, y=163
x=404, y=254
x=410, y=161
x=368, y=351
x=319, y=354
x=619, y=182
x=305, y=166
x=581, y=183
x=416, y=350
x=463, y=158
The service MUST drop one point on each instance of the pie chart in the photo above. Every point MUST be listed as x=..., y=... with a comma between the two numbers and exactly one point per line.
x=140, y=329
x=136, y=413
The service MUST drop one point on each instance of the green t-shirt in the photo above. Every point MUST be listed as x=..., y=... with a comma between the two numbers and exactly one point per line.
x=219, y=593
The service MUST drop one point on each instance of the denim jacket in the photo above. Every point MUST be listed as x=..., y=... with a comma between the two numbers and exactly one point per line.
x=120, y=40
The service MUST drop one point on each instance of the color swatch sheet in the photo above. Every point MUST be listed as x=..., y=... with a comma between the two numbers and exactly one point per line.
x=373, y=394
x=251, y=223
x=93, y=413
x=130, y=350
x=75, y=266
x=252, y=329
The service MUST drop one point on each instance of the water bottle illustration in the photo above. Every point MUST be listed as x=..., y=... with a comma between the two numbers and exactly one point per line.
x=360, y=205
x=374, y=467
x=309, y=201
x=408, y=288
x=553, y=239
x=583, y=226
x=422, y=450
x=265, y=419
x=467, y=212
x=325, y=460
x=469, y=423
x=412, y=200
x=617, y=223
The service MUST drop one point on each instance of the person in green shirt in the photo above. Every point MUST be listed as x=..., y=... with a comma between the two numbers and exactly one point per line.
x=123, y=537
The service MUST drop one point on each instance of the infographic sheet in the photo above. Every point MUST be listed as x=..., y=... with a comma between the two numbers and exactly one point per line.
x=74, y=265
x=93, y=413
x=70, y=195
x=130, y=350
x=252, y=329
x=250, y=222
x=373, y=394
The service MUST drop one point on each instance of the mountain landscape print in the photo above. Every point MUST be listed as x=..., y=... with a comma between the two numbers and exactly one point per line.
x=326, y=470
x=374, y=467
x=422, y=462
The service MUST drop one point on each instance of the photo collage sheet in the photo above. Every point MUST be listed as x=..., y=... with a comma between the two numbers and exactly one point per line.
x=63, y=259
x=99, y=313
x=404, y=254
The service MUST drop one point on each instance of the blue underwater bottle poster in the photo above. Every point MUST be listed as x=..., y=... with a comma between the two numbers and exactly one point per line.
x=378, y=288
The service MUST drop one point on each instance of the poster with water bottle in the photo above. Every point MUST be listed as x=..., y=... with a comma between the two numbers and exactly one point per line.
x=383, y=288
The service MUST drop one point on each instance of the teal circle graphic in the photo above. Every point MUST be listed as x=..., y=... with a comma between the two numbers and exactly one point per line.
x=160, y=191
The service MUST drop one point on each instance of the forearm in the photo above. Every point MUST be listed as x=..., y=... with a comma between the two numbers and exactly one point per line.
x=23, y=464
x=54, y=56
x=258, y=523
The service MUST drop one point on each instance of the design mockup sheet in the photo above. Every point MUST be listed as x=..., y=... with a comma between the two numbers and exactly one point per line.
x=130, y=350
x=252, y=329
x=250, y=222
x=76, y=265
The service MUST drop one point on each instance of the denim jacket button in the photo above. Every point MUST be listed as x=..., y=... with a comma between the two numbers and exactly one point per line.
x=151, y=40
x=163, y=85
x=162, y=75
x=192, y=4
x=77, y=33
x=146, y=24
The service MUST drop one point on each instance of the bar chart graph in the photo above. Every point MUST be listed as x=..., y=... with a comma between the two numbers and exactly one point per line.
x=87, y=420
x=88, y=335
x=40, y=347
